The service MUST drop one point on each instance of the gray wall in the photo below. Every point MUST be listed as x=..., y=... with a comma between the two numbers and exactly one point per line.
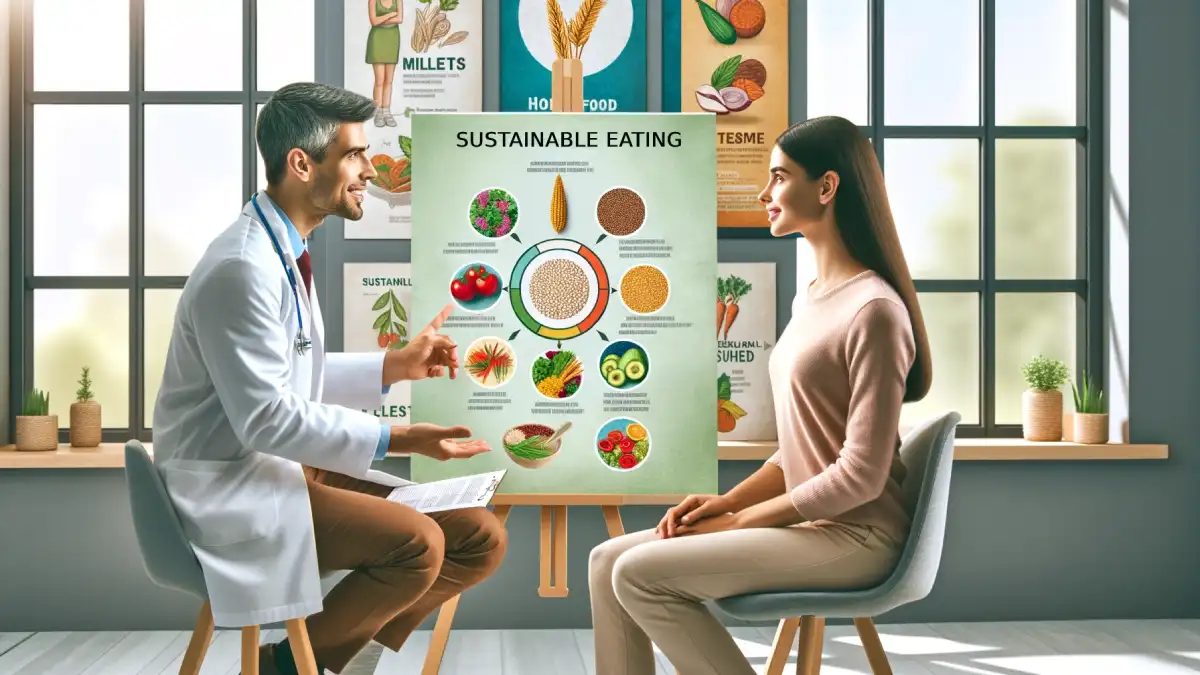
x=1033, y=540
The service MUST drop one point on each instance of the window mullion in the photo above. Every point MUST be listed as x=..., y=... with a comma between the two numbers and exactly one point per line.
x=876, y=85
x=1093, y=229
x=249, y=103
x=21, y=233
x=137, y=218
x=987, y=192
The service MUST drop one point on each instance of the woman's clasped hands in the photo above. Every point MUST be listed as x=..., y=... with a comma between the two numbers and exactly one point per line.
x=697, y=514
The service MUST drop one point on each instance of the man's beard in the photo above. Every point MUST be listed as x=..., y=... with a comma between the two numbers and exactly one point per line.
x=333, y=201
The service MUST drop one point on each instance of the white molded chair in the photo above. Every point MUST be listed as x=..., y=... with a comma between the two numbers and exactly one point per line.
x=170, y=562
x=928, y=453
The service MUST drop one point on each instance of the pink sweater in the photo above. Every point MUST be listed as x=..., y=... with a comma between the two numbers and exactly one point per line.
x=838, y=376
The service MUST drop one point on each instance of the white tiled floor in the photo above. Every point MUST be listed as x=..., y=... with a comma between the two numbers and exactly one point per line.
x=1042, y=648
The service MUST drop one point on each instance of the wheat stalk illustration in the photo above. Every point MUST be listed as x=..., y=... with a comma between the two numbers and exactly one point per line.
x=559, y=34
x=584, y=22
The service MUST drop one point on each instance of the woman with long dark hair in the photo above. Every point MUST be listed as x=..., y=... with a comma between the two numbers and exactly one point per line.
x=826, y=510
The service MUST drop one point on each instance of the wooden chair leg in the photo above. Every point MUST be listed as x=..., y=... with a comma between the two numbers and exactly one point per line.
x=198, y=645
x=440, y=637
x=784, y=634
x=812, y=639
x=250, y=636
x=873, y=646
x=302, y=653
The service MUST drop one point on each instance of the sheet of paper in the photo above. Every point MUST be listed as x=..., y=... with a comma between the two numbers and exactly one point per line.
x=453, y=493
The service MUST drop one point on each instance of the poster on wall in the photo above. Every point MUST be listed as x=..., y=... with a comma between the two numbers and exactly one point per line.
x=377, y=306
x=579, y=250
x=736, y=68
x=573, y=55
x=745, y=336
x=409, y=56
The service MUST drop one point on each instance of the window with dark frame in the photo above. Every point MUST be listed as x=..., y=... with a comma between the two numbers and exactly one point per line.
x=994, y=284
x=134, y=104
x=133, y=94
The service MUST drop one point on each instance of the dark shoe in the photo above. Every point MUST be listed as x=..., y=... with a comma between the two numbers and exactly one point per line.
x=282, y=661
x=266, y=661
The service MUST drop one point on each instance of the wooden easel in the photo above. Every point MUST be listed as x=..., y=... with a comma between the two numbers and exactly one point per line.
x=553, y=577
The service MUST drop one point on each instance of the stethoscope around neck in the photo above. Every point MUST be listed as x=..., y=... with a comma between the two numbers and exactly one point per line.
x=302, y=344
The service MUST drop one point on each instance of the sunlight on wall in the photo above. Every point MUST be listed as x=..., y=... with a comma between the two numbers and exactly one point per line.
x=1118, y=218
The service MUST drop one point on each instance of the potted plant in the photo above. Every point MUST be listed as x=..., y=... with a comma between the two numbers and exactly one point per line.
x=1091, y=415
x=37, y=429
x=1042, y=402
x=85, y=415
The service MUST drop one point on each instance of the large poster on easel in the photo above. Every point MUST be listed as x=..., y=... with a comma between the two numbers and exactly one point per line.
x=409, y=56
x=736, y=68
x=580, y=252
x=573, y=55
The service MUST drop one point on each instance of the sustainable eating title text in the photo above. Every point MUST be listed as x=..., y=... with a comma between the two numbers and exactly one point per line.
x=569, y=139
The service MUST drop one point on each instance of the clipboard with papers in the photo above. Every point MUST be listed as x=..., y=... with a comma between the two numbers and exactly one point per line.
x=450, y=494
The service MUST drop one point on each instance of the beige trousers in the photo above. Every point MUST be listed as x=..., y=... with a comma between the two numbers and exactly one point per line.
x=645, y=589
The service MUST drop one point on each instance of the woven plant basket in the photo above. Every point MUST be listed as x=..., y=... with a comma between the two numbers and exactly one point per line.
x=38, y=433
x=85, y=424
x=1042, y=415
x=1091, y=428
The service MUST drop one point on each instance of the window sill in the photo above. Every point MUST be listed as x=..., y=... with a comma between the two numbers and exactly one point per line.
x=112, y=455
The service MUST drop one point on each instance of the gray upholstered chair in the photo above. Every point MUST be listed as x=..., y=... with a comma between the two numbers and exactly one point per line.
x=928, y=453
x=170, y=562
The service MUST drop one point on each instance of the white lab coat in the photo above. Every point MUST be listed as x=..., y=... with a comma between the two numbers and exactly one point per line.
x=239, y=411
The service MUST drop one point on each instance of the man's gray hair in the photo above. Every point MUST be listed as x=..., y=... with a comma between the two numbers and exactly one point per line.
x=305, y=115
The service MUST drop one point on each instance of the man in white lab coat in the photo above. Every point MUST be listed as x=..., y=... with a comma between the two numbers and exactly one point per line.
x=260, y=435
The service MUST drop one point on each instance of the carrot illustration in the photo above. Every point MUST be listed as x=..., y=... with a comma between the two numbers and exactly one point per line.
x=730, y=315
x=720, y=304
x=738, y=288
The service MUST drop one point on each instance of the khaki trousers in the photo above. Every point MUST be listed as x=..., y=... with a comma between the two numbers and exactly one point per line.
x=648, y=590
x=404, y=563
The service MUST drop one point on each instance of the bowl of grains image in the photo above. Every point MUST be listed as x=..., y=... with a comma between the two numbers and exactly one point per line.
x=559, y=288
x=620, y=212
x=533, y=445
x=644, y=289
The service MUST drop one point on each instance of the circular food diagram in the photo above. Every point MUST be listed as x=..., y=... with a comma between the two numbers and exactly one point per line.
x=623, y=444
x=476, y=287
x=645, y=289
x=559, y=289
x=533, y=445
x=620, y=212
x=493, y=213
x=490, y=362
x=557, y=374
x=624, y=364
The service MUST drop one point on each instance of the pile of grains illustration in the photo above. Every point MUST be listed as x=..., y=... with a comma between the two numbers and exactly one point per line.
x=620, y=212
x=644, y=289
x=559, y=289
